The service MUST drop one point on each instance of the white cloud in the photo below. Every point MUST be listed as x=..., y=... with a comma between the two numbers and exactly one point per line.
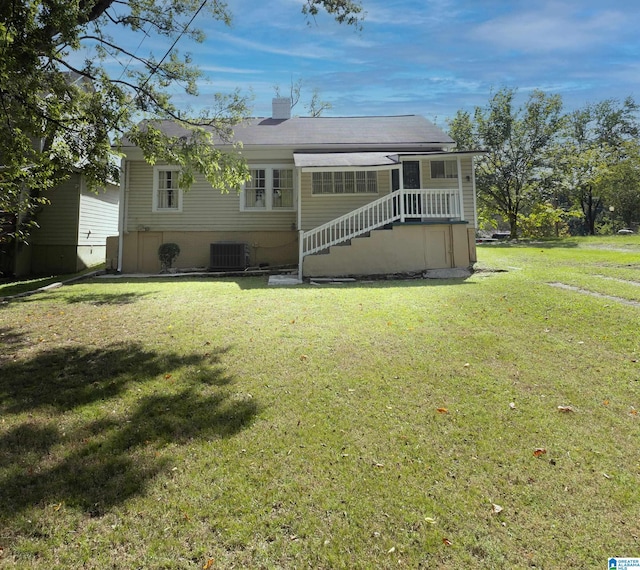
x=552, y=28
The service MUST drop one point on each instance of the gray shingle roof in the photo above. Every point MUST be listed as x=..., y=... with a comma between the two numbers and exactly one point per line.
x=406, y=131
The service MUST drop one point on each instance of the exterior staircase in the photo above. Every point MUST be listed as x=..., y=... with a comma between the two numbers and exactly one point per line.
x=398, y=206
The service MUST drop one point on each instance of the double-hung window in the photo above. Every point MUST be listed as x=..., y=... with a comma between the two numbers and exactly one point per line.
x=348, y=182
x=269, y=189
x=254, y=190
x=167, y=194
x=444, y=169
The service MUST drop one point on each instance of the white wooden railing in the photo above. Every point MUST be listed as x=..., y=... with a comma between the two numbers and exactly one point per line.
x=397, y=206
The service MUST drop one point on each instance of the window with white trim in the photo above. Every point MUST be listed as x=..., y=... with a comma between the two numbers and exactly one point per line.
x=167, y=194
x=254, y=189
x=268, y=189
x=282, y=188
x=348, y=182
x=444, y=169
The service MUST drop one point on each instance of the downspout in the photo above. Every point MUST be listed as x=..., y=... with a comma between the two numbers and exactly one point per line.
x=124, y=185
x=299, y=225
x=473, y=188
x=460, y=190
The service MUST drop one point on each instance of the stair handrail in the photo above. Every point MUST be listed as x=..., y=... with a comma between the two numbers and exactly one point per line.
x=352, y=224
x=439, y=203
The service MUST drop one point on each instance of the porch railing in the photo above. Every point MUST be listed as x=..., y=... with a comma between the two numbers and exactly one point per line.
x=397, y=206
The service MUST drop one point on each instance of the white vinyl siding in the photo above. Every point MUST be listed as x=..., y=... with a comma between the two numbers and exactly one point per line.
x=98, y=215
x=349, y=182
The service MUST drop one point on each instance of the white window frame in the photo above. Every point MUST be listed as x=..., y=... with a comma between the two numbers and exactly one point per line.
x=337, y=178
x=269, y=189
x=450, y=169
x=156, y=189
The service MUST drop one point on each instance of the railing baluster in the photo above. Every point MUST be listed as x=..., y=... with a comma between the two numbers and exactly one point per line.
x=423, y=203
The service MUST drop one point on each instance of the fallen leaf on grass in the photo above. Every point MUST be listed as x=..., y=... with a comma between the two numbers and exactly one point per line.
x=167, y=376
x=391, y=550
x=446, y=542
x=208, y=564
x=540, y=451
x=633, y=412
x=304, y=357
x=605, y=403
x=430, y=520
x=442, y=411
x=565, y=409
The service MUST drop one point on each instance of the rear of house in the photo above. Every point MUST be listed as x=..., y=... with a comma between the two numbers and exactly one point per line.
x=332, y=196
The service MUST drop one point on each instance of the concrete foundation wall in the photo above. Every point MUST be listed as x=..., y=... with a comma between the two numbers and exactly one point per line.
x=405, y=248
x=140, y=251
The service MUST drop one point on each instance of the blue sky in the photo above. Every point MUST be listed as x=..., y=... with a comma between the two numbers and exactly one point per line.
x=429, y=57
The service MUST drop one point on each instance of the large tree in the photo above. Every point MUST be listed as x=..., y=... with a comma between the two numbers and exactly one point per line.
x=619, y=186
x=593, y=140
x=516, y=139
x=61, y=108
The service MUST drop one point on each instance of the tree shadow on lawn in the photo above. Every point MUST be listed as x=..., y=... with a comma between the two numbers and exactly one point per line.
x=107, y=298
x=74, y=449
x=89, y=299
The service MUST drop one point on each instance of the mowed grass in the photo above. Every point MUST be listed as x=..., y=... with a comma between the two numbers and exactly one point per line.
x=386, y=424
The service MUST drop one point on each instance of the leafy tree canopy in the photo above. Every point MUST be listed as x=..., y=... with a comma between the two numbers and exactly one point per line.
x=593, y=139
x=515, y=138
x=61, y=108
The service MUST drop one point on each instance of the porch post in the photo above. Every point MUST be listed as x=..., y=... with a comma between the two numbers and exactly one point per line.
x=401, y=190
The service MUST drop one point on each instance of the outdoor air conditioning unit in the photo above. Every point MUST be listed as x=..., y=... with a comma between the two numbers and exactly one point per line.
x=229, y=256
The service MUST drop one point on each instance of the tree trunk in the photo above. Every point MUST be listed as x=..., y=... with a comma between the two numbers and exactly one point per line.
x=513, y=225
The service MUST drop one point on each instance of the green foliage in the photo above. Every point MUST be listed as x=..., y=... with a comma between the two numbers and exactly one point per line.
x=516, y=139
x=168, y=253
x=620, y=185
x=545, y=220
x=461, y=130
x=538, y=156
x=592, y=142
x=344, y=11
x=486, y=218
x=61, y=109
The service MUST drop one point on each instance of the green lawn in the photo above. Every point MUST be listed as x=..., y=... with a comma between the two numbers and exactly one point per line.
x=199, y=423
